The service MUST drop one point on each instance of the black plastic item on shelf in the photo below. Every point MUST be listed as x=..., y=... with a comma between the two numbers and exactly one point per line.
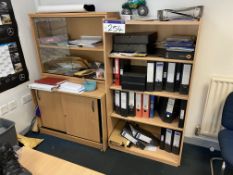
x=168, y=109
x=135, y=38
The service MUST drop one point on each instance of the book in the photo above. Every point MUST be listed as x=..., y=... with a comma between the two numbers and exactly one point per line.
x=51, y=81
x=42, y=87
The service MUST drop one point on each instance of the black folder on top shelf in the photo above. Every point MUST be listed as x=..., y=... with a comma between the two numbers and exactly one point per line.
x=178, y=77
x=185, y=78
x=150, y=76
x=183, y=105
x=168, y=140
x=124, y=103
x=170, y=82
x=159, y=71
x=117, y=101
x=162, y=138
x=176, y=142
x=131, y=104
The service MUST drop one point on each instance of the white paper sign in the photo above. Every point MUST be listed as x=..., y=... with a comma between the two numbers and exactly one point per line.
x=114, y=26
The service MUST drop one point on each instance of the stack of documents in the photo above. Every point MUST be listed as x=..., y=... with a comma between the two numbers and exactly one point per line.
x=180, y=43
x=86, y=41
x=71, y=87
x=42, y=87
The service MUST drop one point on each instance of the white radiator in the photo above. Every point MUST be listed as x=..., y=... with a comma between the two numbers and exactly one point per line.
x=218, y=91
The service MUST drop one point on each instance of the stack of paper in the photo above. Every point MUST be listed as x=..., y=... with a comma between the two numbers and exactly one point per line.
x=42, y=87
x=86, y=41
x=71, y=87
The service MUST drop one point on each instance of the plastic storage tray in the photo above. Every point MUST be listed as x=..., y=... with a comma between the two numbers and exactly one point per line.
x=8, y=132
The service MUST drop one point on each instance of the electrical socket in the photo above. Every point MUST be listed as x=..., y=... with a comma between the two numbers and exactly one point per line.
x=26, y=98
x=12, y=105
x=4, y=109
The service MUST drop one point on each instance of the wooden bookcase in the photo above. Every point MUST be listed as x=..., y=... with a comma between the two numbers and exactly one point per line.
x=164, y=29
x=76, y=117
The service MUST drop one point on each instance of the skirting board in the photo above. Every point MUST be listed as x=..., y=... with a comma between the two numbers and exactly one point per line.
x=203, y=142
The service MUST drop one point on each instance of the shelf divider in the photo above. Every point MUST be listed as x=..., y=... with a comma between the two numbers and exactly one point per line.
x=151, y=58
x=175, y=95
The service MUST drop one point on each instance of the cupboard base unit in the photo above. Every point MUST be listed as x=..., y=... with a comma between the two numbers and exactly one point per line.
x=65, y=136
x=73, y=117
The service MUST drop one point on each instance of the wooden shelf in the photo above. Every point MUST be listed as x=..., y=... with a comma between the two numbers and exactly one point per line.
x=156, y=121
x=152, y=58
x=95, y=49
x=156, y=22
x=74, y=15
x=158, y=155
x=175, y=95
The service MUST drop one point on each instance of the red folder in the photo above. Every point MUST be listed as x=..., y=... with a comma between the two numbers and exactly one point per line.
x=117, y=72
x=146, y=106
x=51, y=81
x=139, y=110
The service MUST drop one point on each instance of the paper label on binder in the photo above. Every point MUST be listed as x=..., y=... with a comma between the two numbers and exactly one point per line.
x=145, y=102
x=117, y=99
x=182, y=115
x=168, y=136
x=171, y=72
x=170, y=105
x=131, y=99
x=138, y=100
x=176, y=142
x=150, y=72
x=124, y=100
x=186, y=74
x=159, y=72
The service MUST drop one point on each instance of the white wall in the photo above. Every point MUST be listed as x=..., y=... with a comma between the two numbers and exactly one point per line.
x=23, y=114
x=215, y=54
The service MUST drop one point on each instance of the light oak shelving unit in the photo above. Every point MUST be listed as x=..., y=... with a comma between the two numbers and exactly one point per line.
x=77, y=117
x=164, y=29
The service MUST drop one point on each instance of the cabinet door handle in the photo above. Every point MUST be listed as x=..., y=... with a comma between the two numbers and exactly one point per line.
x=93, y=106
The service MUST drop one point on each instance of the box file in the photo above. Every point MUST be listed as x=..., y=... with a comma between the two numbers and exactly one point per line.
x=165, y=71
x=185, y=79
x=117, y=101
x=170, y=82
x=152, y=106
x=131, y=104
x=159, y=76
x=162, y=138
x=182, y=113
x=168, y=140
x=178, y=77
x=124, y=104
x=176, y=142
x=146, y=105
x=168, y=109
x=150, y=76
x=138, y=104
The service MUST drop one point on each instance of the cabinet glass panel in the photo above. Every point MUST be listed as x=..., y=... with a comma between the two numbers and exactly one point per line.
x=67, y=46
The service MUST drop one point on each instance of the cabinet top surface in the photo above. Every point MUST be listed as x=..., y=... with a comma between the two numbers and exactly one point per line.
x=83, y=14
x=156, y=22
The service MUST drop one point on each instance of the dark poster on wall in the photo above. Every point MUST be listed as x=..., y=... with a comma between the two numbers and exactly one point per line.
x=13, y=70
